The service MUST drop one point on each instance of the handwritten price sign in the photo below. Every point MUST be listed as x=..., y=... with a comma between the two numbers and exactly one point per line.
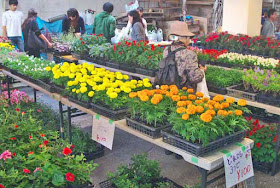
x=103, y=131
x=238, y=165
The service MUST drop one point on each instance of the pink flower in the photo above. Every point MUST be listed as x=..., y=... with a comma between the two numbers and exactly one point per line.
x=37, y=169
x=6, y=155
x=38, y=111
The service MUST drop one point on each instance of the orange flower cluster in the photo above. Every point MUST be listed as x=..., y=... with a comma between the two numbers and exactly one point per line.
x=156, y=99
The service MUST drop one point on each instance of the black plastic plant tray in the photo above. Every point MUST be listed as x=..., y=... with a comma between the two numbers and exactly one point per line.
x=84, y=104
x=25, y=77
x=45, y=84
x=127, y=67
x=146, y=72
x=263, y=167
x=238, y=91
x=107, y=183
x=58, y=89
x=271, y=100
x=57, y=53
x=113, y=65
x=112, y=114
x=197, y=149
x=94, y=155
x=215, y=89
x=153, y=132
x=80, y=186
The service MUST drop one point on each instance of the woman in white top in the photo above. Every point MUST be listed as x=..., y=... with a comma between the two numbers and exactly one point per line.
x=129, y=25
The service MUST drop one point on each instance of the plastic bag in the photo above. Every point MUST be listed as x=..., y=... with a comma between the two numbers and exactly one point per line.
x=131, y=6
x=159, y=35
x=202, y=87
x=119, y=35
x=152, y=36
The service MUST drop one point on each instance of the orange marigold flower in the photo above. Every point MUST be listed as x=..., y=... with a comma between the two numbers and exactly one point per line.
x=242, y=102
x=230, y=112
x=132, y=95
x=206, y=117
x=175, y=98
x=164, y=87
x=198, y=101
x=174, y=91
x=225, y=104
x=211, y=112
x=199, y=109
x=158, y=91
x=181, y=110
x=185, y=116
x=150, y=93
x=181, y=103
x=155, y=101
x=190, y=91
x=183, y=97
x=144, y=98
x=190, y=111
x=218, y=106
x=192, y=97
x=211, y=102
x=205, y=99
x=230, y=100
x=188, y=103
x=211, y=107
x=238, y=112
x=199, y=94
x=184, y=88
x=218, y=98
x=222, y=113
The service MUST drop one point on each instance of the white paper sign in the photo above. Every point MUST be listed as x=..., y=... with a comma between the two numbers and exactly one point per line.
x=238, y=165
x=103, y=131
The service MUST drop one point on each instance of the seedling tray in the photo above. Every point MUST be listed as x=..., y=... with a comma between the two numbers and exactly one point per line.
x=107, y=183
x=215, y=89
x=271, y=100
x=45, y=85
x=236, y=91
x=84, y=104
x=153, y=132
x=197, y=149
x=127, y=67
x=113, y=65
x=112, y=114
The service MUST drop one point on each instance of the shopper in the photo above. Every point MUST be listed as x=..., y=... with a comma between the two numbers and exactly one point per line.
x=73, y=20
x=138, y=28
x=264, y=16
x=129, y=25
x=268, y=29
x=11, y=21
x=105, y=23
x=31, y=24
x=188, y=69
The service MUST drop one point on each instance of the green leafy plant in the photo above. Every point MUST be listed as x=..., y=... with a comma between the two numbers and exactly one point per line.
x=86, y=42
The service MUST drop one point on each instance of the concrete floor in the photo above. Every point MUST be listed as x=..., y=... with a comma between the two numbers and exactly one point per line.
x=125, y=145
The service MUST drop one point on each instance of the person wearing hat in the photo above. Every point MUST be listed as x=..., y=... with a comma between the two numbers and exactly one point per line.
x=186, y=60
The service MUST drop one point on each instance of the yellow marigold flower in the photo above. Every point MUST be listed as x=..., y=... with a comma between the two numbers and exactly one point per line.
x=118, y=90
x=146, y=80
x=132, y=95
x=206, y=117
x=77, y=91
x=70, y=83
x=218, y=98
x=127, y=90
x=192, y=97
x=190, y=91
x=91, y=93
x=73, y=90
x=181, y=110
x=225, y=104
x=139, y=85
x=48, y=69
x=242, y=102
x=147, y=84
x=83, y=84
x=113, y=95
x=185, y=116
x=199, y=94
x=238, y=112
x=175, y=97
x=83, y=89
x=199, y=109
x=230, y=100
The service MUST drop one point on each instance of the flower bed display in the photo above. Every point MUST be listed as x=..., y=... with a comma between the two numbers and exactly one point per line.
x=31, y=156
x=140, y=173
x=218, y=79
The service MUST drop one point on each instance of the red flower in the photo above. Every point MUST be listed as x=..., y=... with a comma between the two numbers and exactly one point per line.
x=22, y=113
x=275, y=139
x=70, y=177
x=115, y=48
x=39, y=111
x=30, y=153
x=134, y=42
x=17, y=110
x=152, y=48
x=42, y=135
x=83, y=42
x=81, y=38
x=258, y=145
x=72, y=146
x=26, y=171
x=30, y=137
x=45, y=142
x=120, y=53
x=13, y=138
x=16, y=126
x=138, y=45
x=40, y=145
x=150, y=57
x=101, y=35
x=14, y=154
x=2, y=186
x=67, y=151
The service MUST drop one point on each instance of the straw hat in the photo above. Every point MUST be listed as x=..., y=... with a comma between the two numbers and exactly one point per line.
x=179, y=28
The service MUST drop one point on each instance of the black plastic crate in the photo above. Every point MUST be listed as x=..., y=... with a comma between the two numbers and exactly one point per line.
x=57, y=53
x=238, y=91
x=45, y=84
x=215, y=89
x=84, y=104
x=127, y=67
x=153, y=132
x=271, y=100
x=112, y=114
x=96, y=154
x=58, y=89
x=25, y=77
x=146, y=72
x=197, y=149
x=113, y=65
x=80, y=186
x=262, y=167
x=107, y=183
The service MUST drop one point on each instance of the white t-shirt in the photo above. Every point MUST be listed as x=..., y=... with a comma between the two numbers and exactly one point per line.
x=129, y=26
x=13, y=20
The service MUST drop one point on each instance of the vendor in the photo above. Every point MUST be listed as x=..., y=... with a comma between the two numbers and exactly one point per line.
x=73, y=20
x=129, y=25
x=190, y=72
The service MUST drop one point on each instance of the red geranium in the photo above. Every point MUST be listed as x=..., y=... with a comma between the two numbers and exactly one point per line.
x=13, y=138
x=152, y=48
x=17, y=110
x=258, y=145
x=39, y=111
x=16, y=126
x=67, y=151
x=14, y=154
x=2, y=186
x=45, y=142
x=83, y=42
x=26, y=171
x=72, y=146
x=42, y=135
x=81, y=38
x=30, y=153
x=30, y=137
x=70, y=177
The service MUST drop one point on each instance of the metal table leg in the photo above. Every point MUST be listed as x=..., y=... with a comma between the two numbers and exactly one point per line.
x=8, y=86
x=61, y=121
x=203, y=177
x=69, y=124
x=35, y=95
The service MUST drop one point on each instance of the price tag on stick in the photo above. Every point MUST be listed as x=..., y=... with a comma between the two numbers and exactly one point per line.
x=103, y=131
x=238, y=165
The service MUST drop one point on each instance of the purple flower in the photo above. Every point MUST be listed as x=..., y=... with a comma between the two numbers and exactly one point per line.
x=275, y=75
x=262, y=72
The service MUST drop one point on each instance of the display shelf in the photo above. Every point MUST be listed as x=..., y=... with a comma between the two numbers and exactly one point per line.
x=118, y=70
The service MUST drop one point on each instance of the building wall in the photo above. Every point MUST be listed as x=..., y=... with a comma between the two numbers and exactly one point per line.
x=51, y=8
